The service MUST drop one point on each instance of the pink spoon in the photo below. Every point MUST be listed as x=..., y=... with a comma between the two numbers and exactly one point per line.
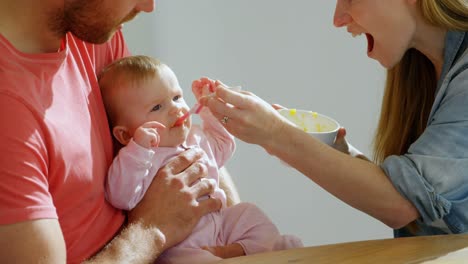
x=194, y=110
x=197, y=108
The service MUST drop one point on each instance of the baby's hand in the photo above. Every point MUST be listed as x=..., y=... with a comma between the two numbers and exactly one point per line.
x=147, y=134
x=203, y=87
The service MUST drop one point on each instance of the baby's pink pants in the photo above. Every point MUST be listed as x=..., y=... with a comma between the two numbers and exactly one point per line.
x=243, y=223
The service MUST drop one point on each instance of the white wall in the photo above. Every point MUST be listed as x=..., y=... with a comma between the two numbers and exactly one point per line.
x=287, y=52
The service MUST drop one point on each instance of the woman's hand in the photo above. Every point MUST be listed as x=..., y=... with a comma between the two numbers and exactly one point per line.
x=342, y=145
x=340, y=141
x=245, y=115
x=203, y=87
x=170, y=204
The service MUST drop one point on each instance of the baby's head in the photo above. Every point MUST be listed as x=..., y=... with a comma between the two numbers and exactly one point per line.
x=139, y=89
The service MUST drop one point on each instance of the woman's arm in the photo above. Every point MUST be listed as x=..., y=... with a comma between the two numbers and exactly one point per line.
x=359, y=183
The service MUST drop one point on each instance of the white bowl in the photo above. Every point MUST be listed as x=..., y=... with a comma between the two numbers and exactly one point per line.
x=319, y=126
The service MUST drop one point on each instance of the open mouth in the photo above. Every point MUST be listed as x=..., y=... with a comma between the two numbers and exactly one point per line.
x=370, y=43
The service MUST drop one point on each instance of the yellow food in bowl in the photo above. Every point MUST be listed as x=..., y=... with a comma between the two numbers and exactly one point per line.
x=320, y=126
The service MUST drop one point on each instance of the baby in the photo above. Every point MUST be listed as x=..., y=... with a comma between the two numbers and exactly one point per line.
x=143, y=101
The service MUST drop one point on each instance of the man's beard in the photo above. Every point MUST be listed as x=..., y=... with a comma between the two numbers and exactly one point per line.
x=87, y=20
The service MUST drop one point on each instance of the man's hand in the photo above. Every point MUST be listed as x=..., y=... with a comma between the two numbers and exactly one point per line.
x=170, y=204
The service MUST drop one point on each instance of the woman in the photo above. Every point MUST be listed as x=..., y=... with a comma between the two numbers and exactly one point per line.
x=419, y=183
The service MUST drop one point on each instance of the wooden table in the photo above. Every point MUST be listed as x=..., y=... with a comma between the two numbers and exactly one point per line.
x=399, y=250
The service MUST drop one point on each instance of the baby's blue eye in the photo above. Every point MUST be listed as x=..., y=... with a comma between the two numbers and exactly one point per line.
x=156, y=108
x=176, y=98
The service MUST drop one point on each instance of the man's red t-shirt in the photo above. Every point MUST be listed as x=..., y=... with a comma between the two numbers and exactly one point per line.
x=55, y=144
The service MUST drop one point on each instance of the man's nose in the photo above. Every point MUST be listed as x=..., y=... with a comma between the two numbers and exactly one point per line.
x=341, y=17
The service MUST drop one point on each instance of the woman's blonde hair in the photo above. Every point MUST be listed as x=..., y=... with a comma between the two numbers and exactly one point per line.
x=410, y=86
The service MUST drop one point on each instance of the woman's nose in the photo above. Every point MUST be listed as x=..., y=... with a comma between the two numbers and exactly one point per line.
x=145, y=6
x=341, y=17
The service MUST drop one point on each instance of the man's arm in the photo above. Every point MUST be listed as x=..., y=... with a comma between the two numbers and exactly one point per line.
x=139, y=244
x=135, y=244
x=41, y=241
x=37, y=241
x=165, y=216
x=167, y=213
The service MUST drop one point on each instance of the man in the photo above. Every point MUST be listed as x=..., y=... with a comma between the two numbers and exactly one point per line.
x=56, y=145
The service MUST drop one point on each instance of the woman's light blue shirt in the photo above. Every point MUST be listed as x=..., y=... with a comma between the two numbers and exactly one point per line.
x=433, y=175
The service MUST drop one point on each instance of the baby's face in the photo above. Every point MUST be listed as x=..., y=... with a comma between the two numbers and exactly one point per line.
x=157, y=99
